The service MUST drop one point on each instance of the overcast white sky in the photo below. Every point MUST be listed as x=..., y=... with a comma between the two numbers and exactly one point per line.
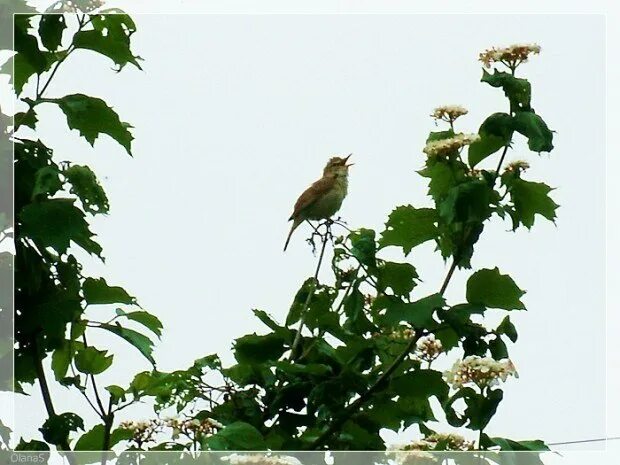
x=235, y=115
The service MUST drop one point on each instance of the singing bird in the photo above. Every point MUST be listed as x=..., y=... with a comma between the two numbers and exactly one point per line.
x=324, y=197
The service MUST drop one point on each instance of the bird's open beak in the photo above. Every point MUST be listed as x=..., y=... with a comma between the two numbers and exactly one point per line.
x=346, y=159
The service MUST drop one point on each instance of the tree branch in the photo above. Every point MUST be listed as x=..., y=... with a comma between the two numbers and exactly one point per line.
x=302, y=317
x=47, y=398
x=365, y=396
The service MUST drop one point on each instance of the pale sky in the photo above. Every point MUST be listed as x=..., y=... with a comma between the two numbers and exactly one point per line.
x=235, y=115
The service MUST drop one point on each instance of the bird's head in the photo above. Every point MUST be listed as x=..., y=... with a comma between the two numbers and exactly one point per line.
x=337, y=166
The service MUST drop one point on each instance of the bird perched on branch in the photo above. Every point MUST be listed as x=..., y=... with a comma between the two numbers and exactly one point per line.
x=324, y=197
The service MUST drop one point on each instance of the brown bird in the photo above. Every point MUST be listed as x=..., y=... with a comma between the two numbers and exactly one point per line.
x=324, y=197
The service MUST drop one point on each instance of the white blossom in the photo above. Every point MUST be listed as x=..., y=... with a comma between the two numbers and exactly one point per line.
x=517, y=165
x=258, y=459
x=428, y=348
x=448, y=113
x=445, y=146
x=512, y=56
x=482, y=371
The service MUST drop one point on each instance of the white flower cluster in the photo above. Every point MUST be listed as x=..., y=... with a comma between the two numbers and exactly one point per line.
x=192, y=426
x=144, y=430
x=482, y=371
x=428, y=348
x=448, y=441
x=257, y=459
x=448, y=113
x=399, y=334
x=517, y=165
x=445, y=146
x=511, y=56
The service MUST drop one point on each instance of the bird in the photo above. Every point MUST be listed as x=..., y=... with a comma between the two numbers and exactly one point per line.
x=324, y=197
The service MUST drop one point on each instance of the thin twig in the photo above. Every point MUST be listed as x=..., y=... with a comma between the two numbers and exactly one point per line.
x=501, y=160
x=94, y=383
x=302, y=316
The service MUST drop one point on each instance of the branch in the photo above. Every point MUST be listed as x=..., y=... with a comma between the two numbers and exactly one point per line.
x=47, y=398
x=70, y=50
x=302, y=317
x=364, y=397
x=501, y=160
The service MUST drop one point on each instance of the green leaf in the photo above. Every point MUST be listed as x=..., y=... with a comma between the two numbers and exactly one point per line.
x=357, y=321
x=286, y=333
x=421, y=384
x=506, y=327
x=319, y=314
x=92, y=361
x=467, y=203
x=97, y=291
x=136, y=339
x=498, y=348
x=237, y=436
x=55, y=223
x=419, y=314
x=32, y=446
x=91, y=116
x=51, y=28
x=495, y=133
x=448, y=337
x=61, y=359
x=532, y=126
x=23, y=70
x=480, y=409
x=57, y=428
x=313, y=369
x=400, y=277
x=47, y=181
x=146, y=319
x=117, y=393
x=530, y=199
x=363, y=246
x=443, y=177
x=253, y=348
x=518, y=91
x=86, y=187
x=28, y=118
x=493, y=289
x=91, y=440
x=110, y=36
x=26, y=45
x=120, y=434
x=408, y=227
x=299, y=301
x=521, y=446
x=30, y=60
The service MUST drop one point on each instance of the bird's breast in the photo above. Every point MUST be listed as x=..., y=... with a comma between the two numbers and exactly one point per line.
x=330, y=202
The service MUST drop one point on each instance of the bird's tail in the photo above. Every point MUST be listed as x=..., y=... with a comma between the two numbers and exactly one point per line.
x=296, y=222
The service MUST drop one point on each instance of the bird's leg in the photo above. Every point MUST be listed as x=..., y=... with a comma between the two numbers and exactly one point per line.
x=315, y=233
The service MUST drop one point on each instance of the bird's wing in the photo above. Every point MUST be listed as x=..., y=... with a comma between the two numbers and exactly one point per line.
x=312, y=194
